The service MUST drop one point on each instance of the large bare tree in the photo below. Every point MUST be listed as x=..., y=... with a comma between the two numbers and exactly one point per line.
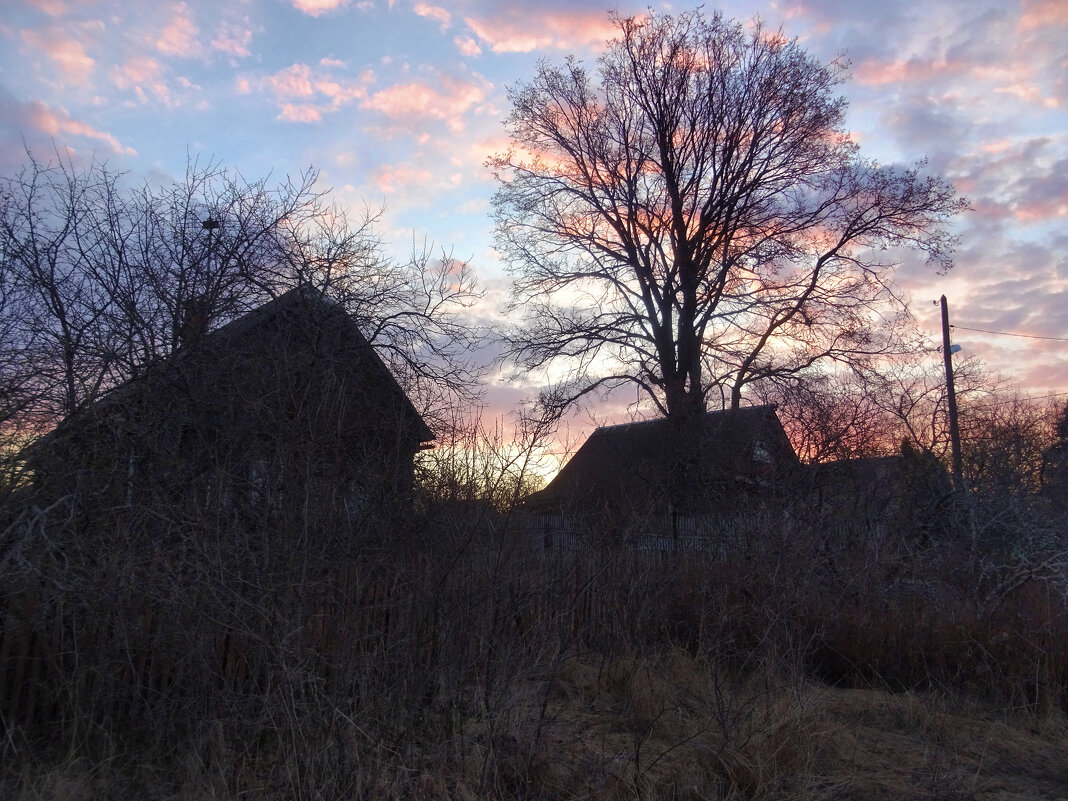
x=692, y=216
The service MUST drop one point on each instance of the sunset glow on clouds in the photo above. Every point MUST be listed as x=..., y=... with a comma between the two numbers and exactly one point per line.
x=400, y=102
x=317, y=7
x=415, y=103
x=67, y=55
x=513, y=29
x=179, y=38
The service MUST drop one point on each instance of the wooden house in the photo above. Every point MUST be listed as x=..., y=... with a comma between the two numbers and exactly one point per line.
x=287, y=405
x=908, y=494
x=659, y=482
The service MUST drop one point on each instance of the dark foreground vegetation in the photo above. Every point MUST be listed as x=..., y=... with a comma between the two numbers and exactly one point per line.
x=451, y=656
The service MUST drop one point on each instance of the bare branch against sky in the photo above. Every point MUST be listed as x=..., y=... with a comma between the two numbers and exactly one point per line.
x=400, y=104
x=691, y=216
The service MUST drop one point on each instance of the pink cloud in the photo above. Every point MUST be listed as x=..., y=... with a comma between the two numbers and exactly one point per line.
x=468, y=46
x=232, y=40
x=293, y=81
x=179, y=38
x=317, y=90
x=1012, y=77
x=419, y=101
x=53, y=8
x=69, y=56
x=434, y=12
x=55, y=123
x=389, y=178
x=1037, y=210
x=316, y=7
x=518, y=31
x=996, y=146
x=790, y=10
x=1028, y=93
x=144, y=77
x=300, y=113
x=1042, y=14
x=1025, y=180
x=880, y=73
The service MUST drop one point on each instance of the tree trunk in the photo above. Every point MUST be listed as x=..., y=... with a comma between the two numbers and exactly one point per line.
x=683, y=402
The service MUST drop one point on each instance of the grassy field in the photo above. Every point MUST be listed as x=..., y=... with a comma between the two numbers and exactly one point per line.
x=469, y=665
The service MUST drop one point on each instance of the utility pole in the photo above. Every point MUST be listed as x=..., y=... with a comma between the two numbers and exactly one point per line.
x=954, y=430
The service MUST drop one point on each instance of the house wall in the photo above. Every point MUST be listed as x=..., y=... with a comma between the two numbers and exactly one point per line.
x=283, y=417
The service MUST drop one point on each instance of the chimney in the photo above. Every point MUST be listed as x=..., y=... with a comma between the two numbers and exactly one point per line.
x=195, y=313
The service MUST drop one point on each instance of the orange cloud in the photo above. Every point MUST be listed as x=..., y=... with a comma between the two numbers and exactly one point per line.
x=316, y=7
x=417, y=101
x=179, y=38
x=518, y=31
x=55, y=123
x=69, y=56
x=434, y=12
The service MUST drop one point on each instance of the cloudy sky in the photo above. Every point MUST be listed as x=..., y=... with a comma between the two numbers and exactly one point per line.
x=398, y=103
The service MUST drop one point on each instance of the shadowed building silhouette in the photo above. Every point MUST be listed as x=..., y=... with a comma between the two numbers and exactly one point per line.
x=662, y=478
x=910, y=493
x=288, y=406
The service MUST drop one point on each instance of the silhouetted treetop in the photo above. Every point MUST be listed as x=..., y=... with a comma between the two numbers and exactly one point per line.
x=691, y=215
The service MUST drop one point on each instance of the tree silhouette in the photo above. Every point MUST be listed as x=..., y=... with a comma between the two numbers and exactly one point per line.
x=692, y=216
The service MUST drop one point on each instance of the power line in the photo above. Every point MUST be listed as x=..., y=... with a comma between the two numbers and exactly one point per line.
x=1008, y=334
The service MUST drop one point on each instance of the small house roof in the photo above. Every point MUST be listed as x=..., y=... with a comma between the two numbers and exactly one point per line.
x=302, y=309
x=645, y=463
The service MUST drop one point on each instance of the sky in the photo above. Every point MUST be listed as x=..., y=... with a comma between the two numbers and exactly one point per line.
x=399, y=104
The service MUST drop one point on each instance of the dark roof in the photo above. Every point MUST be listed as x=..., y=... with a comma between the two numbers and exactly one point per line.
x=305, y=303
x=302, y=308
x=645, y=463
x=847, y=472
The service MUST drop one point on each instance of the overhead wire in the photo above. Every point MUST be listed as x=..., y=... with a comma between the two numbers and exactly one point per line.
x=1007, y=333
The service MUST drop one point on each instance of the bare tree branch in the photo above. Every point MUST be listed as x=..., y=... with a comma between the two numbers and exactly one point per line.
x=694, y=215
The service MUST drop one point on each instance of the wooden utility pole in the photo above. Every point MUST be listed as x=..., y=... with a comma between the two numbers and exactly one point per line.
x=954, y=430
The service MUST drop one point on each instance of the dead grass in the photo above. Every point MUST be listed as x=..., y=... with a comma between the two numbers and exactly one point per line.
x=909, y=745
x=656, y=727
x=476, y=674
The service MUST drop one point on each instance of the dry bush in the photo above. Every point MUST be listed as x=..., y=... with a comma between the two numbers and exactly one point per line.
x=453, y=661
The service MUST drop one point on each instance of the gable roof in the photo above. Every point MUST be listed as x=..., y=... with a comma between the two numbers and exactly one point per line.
x=644, y=464
x=302, y=310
